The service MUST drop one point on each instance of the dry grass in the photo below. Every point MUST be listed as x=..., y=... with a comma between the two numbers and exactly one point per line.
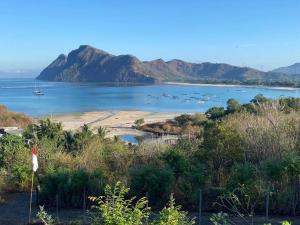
x=12, y=119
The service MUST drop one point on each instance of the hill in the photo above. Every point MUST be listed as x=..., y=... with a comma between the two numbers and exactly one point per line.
x=13, y=119
x=292, y=69
x=89, y=64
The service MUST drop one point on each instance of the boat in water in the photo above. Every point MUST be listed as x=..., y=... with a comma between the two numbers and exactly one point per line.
x=38, y=92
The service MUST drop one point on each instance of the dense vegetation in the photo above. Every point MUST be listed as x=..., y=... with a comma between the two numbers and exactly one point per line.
x=236, y=156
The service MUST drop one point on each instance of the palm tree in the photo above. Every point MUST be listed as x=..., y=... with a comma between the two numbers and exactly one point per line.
x=102, y=131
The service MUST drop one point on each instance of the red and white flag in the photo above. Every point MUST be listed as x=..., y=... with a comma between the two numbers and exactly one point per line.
x=35, y=164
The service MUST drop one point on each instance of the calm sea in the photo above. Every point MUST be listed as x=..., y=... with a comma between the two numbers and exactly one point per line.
x=17, y=95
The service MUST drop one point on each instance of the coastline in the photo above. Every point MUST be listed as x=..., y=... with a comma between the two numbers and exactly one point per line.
x=231, y=85
x=116, y=122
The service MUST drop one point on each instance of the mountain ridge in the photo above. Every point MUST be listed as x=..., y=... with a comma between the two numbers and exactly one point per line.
x=291, y=70
x=89, y=64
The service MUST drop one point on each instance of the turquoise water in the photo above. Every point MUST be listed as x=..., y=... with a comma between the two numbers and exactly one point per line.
x=17, y=95
x=130, y=138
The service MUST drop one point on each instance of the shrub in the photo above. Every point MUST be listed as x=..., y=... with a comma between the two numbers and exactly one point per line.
x=21, y=177
x=156, y=181
x=70, y=186
x=183, y=119
x=138, y=123
x=115, y=209
x=172, y=215
x=215, y=113
x=45, y=217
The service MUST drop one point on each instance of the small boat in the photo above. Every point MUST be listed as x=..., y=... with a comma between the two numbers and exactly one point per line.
x=38, y=92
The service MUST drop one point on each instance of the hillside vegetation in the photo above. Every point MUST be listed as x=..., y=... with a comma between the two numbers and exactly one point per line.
x=12, y=119
x=238, y=155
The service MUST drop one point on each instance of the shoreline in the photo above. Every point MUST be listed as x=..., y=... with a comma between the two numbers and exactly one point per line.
x=232, y=85
x=116, y=122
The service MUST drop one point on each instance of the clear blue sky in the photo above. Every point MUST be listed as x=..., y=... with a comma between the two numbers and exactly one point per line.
x=259, y=33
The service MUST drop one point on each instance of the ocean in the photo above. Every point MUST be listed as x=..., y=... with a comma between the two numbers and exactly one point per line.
x=59, y=97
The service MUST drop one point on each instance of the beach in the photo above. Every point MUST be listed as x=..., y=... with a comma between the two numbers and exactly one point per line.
x=116, y=122
x=233, y=85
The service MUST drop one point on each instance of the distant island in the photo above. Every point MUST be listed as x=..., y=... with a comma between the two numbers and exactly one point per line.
x=89, y=64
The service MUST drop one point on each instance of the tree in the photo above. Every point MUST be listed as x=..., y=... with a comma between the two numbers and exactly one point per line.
x=232, y=106
x=215, y=113
x=259, y=99
x=12, y=151
x=183, y=119
x=101, y=131
x=224, y=146
x=138, y=123
x=155, y=180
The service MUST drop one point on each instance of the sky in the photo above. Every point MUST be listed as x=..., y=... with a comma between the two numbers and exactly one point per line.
x=264, y=34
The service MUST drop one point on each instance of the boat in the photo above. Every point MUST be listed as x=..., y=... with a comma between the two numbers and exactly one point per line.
x=38, y=92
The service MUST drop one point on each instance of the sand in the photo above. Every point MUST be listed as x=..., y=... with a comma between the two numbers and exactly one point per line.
x=233, y=85
x=116, y=122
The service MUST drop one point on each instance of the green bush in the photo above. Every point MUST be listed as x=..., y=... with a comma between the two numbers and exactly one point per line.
x=71, y=187
x=21, y=177
x=115, y=209
x=215, y=113
x=172, y=215
x=152, y=180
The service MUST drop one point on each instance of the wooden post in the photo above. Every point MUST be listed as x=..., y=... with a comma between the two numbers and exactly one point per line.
x=200, y=207
x=29, y=218
x=267, y=206
x=84, y=204
x=57, y=207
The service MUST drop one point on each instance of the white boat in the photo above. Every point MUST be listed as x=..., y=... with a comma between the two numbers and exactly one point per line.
x=38, y=92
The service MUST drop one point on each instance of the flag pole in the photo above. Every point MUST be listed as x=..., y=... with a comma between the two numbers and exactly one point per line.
x=29, y=219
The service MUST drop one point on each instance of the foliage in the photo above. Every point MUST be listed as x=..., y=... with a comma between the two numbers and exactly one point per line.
x=153, y=180
x=235, y=155
x=172, y=215
x=12, y=151
x=183, y=119
x=115, y=209
x=219, y=219
x=71, y=187
x=138, y=123
x=215, y=113
x=45, y=217
x=101, y=131
x=232, y=106
x=21, y=177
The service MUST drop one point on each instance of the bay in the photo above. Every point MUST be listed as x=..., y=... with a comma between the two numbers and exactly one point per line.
x=60, y=97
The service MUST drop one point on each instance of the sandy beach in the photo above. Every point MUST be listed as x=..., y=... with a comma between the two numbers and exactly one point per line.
x=232, y=85
x=116, y=122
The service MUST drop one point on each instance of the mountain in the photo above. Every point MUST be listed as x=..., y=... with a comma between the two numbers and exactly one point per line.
x=293, y=69
x=89, y=64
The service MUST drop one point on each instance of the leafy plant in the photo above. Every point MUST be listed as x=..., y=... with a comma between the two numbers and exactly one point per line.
x=45, y=217
x=172, y=215
x=115, y=209
x=219, y=219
